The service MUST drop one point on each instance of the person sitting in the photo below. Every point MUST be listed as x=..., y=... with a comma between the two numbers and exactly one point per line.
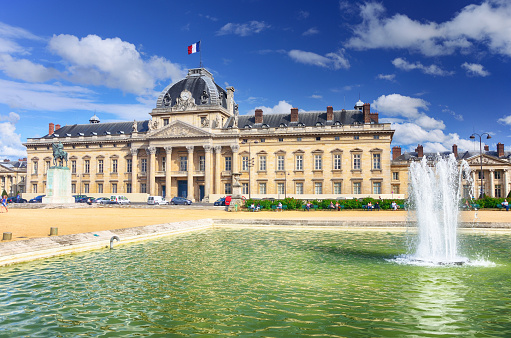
x=394, y=205
x=331, y=206
x=369, y=206
x=308, y=206
x=279, y=206
x=377, y=206
x=337, y=206
x=505, y=204
x=252, y=207
x=258, y=207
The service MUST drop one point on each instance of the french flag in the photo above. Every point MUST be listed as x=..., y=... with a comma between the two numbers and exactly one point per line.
x=194, y=48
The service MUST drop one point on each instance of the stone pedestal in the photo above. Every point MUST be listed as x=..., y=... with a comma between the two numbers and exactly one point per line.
x=236, y=202
x=58, y=186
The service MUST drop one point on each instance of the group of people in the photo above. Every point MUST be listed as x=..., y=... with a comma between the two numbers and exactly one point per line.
x=253, y=207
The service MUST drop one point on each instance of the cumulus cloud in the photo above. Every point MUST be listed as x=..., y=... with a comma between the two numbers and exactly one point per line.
x=243, y=29
x=400, y=105
x=10, y=141
x=311, y=31
x=26, y=70
x=388, y=77
x=402, y=64
x=487, y=24
x=475, y=69
x=283, y=107
x=111, y=62
x=330, y=60
x=506, y=120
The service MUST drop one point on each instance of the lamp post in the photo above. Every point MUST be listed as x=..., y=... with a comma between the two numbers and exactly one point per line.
x=473, y=136
x=250, y=164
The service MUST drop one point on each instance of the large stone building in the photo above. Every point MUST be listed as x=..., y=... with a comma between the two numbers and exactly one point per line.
x=12, y=176
x=195, y=139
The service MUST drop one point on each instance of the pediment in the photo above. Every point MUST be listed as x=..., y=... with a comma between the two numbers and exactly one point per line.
x=487, y=160
x=178, y=129
x=4, y=169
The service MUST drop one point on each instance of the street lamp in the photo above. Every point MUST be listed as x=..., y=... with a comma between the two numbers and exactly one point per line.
x=473, y=136
x=250, y=163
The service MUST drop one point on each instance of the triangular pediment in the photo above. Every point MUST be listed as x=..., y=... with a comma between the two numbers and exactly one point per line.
x=487, y=160
x=4, y=169
x=178, y=129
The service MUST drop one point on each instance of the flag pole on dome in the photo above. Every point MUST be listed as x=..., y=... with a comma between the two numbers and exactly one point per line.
x=194, y=48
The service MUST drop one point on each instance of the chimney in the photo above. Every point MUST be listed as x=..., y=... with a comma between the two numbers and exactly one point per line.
x=294, y=114
x=500, y=149
x=51, y=129
x=57, y=126
x=396, y=152
x=330, y=113
x=455, y=150
x=368, y=116
x=420, y=151
x=486, y=147
x=258, y=116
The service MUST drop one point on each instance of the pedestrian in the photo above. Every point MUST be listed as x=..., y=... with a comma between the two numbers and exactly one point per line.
x=4, y=203
x=505, y=204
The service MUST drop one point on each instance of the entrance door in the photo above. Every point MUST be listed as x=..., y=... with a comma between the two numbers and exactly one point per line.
x=201, y=192
x=163, y=191
x=182, y=189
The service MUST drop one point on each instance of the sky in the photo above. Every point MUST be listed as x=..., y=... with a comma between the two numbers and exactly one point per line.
x=439, y=71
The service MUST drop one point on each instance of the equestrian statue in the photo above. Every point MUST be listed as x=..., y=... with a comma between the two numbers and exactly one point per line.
x=59, y=153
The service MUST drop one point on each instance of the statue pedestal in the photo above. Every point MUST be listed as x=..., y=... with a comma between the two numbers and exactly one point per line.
x=236, y=202
x=58, y=186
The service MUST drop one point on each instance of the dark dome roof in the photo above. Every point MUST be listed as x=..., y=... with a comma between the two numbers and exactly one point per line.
x=200, y=83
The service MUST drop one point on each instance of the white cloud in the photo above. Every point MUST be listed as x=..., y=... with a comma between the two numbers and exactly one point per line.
x=243, y=29
x=388, y=77
x=314, y=96
x=283, y=107
x=488, y=23
x=26, y=70
x=311, y=31
x=10, y=141
x=506, y=120
x=303, y=15
x=330, y=60
x=402, y=64
x=399, y=105
x=112, y=62
x=475, y=69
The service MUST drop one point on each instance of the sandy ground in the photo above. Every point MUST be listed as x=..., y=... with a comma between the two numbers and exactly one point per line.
x=34, y=223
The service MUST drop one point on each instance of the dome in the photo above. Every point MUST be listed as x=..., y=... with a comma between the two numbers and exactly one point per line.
x=359, y=104
x=94, y=119
x=198, y=85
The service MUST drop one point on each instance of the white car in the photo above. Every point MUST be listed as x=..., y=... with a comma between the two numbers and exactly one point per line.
x=119, y=199
x=156, y=200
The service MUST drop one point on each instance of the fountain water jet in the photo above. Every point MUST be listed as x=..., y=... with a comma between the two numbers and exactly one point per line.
x=434, y=195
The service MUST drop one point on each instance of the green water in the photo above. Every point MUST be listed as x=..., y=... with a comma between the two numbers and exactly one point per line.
x=260, y=283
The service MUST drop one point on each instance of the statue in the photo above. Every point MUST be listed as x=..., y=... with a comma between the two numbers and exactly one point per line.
x=59, y=153
x=153, y=124
x=135, y=127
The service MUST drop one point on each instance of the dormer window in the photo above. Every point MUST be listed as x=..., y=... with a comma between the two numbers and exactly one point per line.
x=81, y=134
x=319, y=124
x=301, y=124
x=93, y=133
x=248, y=126
x=107, y=133
x=265, y=126
x=68, y=135
x=120, y=132
x=55, y=135
x=338, y=123
x=282, y=125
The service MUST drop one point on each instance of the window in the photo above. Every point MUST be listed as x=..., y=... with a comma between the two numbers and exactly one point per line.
x=299, y=188
x=244, y=188
x=356, y=137
x=35, y=165
x=357, y=187
x=337, y=162
x=376, y=137
x=228, y=163
x=497, y=175
x=318, y=188
x=143, y=188
x=356, y=162
x=479, y=174
x=244, y=163
x=163, y=163
x=299, y=162
x=280, y=163
x=100, y=166
x=47, y=165
x=318, y=138
x=262, y=140
x=34, y=188
x=395, y=189
x=281, y=139
x=129, y=165
x=498, y=190
x=87, y=167
x=73, y=188
x=281, y=188
x=337, y=138
x=144, y=165
x=183, y=163
x=262, y=188
x=202, y=163
x=114, y=188
x=377, y=188
x=128, y=188
x=318, y=162
x=165, y=122
x=337, y=188
x=100, y=188
x=376, y=161
x=299, y=139
x=228, y=188
x=86, y=188
x=262, y=163
x=395, y=176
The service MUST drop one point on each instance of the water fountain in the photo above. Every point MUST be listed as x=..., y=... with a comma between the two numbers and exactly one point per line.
x=434, y=197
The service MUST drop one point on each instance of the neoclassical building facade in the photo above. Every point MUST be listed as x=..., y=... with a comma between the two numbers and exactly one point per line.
x=13, y=175
x=195, y=140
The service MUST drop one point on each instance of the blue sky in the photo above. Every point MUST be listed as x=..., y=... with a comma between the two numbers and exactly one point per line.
x=437, y=70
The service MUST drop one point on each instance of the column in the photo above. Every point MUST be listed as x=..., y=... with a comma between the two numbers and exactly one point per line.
x=474, y=185
x=134, y=170
x=207, y=170
x=218, y=169
x=235, y=148
x=492, y=182
x=151, y=175
x=190, y=173
x=168, y=173
x=505, y=189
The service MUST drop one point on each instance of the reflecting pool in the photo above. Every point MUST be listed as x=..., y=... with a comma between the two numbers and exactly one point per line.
x=261, y=283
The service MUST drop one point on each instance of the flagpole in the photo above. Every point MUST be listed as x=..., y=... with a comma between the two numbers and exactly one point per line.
x=200, y=54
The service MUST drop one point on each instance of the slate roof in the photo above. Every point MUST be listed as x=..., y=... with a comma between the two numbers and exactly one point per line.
x=462, y=155
x=101, y=129
x=308, y=119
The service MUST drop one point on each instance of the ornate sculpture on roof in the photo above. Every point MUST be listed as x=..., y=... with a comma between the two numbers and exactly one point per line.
x=185, y=101
x=134, y=128
x=204, y=97
x=153, y=124
x=205, y=123
x=167, y=100
x=217, y=122
x=236, y=115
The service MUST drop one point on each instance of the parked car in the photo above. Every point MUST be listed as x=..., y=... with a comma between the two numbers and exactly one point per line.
x=180, y=200
x=220, y=201
x=101, y=200
x=83, y=199
x=119, y=199
x=37, y=199
x=156, y=200
x=77, y=197
x=15, y=199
